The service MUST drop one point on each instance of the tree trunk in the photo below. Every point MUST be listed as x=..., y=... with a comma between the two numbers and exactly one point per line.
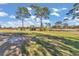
x=41, y=24
x=22, y=25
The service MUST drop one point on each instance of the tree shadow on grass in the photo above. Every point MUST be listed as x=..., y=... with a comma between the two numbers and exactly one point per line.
x=62, y=39
x=6, y=50
x=55, y=47
x=49, y=36
x=7, y=46
x=75, y=44
x=3, y=48
x=48, y=46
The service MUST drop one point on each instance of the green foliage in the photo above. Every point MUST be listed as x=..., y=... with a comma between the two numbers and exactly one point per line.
x=44, y=29
x=21, y=14
x=41, y=12
x=73, y=12
x=32, y=28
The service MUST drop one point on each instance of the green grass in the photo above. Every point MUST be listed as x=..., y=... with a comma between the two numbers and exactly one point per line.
x=47, y=43
x=53, y=43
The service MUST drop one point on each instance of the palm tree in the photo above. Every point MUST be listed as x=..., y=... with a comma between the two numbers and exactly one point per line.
x=21, y=14
x=42, y=13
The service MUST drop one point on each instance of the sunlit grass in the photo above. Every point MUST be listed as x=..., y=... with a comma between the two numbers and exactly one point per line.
x=49, y=43
x=67, y=46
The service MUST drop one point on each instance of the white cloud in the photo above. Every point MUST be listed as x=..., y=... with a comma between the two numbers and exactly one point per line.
x=77, y=23
x=46, y=21
x=3, y=14
x=72, y=21
x=28, y=23
x=26, y=19
x=55, y=10
x=12, y=16
x=58, y=10
x=3, y=3
x=18, y=23
x=29, y=8
x=55, y=14
x=69, y=18
x=64, y=9
x=65, y=17
x=33, y=17
x=11, y=23
x=76, y=19
x=38, y=20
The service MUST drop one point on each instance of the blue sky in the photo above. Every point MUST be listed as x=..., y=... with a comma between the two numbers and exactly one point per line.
x=58, y=13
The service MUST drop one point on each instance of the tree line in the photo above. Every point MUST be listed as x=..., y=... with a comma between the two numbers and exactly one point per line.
x=43, y=13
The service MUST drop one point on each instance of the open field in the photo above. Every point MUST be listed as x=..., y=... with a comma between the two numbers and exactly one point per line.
x=47, y=29
x=48, y=43
x=54, y=43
